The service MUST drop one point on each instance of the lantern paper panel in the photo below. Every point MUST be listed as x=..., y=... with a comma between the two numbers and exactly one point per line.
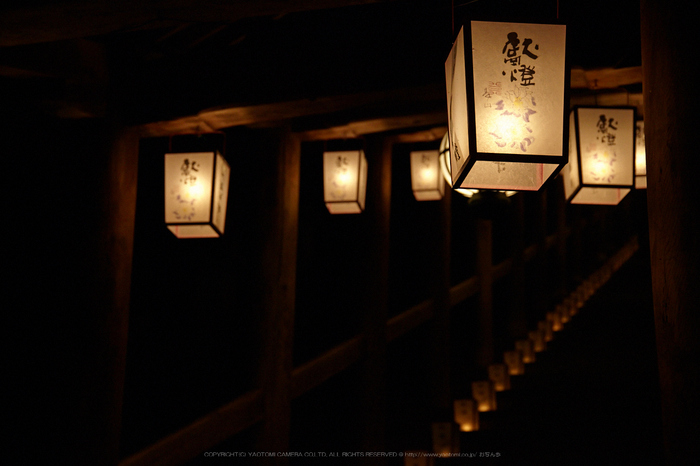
x=445, y=438
x=602, y=155
x=507, y=102
x=426, y=179
x=499, y=376
x=484, y=394
x=466, y=415
x=345, y=181
x=640, y=158
x=196, y=194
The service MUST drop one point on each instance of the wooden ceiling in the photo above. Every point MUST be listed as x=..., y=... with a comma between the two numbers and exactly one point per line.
x=326, y=67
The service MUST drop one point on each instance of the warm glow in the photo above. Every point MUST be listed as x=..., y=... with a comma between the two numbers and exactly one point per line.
x=196, y=192
x=445, y=439
x=527, y=349
x=344, y=181
x=484, y=395
x=498, y=374
x=466, y=415
x=514, y=361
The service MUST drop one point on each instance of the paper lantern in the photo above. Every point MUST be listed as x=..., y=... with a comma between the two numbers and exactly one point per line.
x=537, y=338
x=196, y=194
x=601, y=157
x=507, y=101
x=640, y=158
x=484, y=395
x=498, y=375
x=545, y=326
x=466, y=415
x=426, y=180
x=514, y=361
x=345, y=181
x=445, y=438
x=527, y=349
x=555, y=319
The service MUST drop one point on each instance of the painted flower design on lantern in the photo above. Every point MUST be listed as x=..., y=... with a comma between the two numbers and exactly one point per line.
x=517, y=102
x=510, y=127
x=185, y=205
x=602, y=161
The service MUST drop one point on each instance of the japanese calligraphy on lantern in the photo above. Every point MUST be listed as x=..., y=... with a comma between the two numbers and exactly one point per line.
x=519, y=77
x=607, y=145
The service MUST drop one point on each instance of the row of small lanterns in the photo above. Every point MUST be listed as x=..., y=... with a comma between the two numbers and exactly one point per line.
x=445, y=435
x=508, y=132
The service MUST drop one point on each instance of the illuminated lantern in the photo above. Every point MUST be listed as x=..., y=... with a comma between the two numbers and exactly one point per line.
x=425, y=176
x=445, y=438
x=498, y=374
x=640, y=158
x=527, y=349
x=507, y=101
x=537, y=338
x=196, y=194
x=601, y=157
x=545, y=327
x=555, y=319
x=514, y=361
x=484, y=395
x=466, y=415
x=345, y=181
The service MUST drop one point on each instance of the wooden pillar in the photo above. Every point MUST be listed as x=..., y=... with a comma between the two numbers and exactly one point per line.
x=484, y=270
x=378, y=210
x=439, y=341
x=281, y=215
x=671, y=122
x=562, y=285
x=517, y=315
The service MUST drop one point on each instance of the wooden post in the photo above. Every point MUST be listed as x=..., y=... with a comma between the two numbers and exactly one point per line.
x=517, y=315
x=378, y=212
x=440, y=326
x=671, y=122
x=282, y=216
x=561, y=239
x=484, y=270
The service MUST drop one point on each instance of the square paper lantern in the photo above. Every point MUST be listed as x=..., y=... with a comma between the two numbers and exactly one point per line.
x=445, y=438
x=640, y=158
x=484, y=394
x=345, y=181
x=601, y=157
x=196, y=194
x=498, y=374
x=507, y=102
x=466, y=415
x=426, y=178
x=514, y=361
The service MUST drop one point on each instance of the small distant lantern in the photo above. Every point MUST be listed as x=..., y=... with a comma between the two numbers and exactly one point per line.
x=640, y=158
x=601, y=158
x=555, y=319
x=345, y=181
x=484, y=395
x=466, y=415
x=545, y=326
x=196, y=194
x=445, y=438
x=507, y=100
x=527, y=348
x=498, y=374
x=538, y=342
x=426, y=180
x=514, y=361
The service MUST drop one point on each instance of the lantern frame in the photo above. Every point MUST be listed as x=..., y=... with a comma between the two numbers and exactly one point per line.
x=351, y=205
x=575, y=144
x=462, y=62
x=426, y=190
x=219, y=171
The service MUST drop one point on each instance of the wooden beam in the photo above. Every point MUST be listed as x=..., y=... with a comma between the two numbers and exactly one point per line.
x=226, y=117
x=85, y=18
x=203, y=434
x=378, y=125
x=605, y=78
